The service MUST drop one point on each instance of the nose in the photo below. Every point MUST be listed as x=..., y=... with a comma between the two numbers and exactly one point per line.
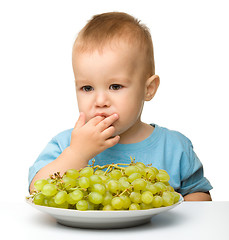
x=102, y=99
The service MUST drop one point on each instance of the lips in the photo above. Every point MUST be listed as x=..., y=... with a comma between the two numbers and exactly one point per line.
x=102, y=115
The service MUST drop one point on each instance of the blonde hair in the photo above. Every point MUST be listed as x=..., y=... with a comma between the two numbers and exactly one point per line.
x=102, y=29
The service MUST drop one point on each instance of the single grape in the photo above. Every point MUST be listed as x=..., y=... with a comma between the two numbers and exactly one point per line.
x=162, y=176
x=176, y=197
x=117, y=203
x=135, y=197
x=39, y=184
x=86, y=172
x=49, y=190
x=168, y=199
x=134, y=176
x=77, y=195
x=39, y=199
x=108, y=207
x=139, y=184
x=99, y=172
x=95, y=179
x=130, y=170
x=69, y=182
x=152, y=188
x=160, y=186
x=126, y=201
x=113, y=186
x=147, y=197
x=157, y=201
x=107, y=198
x=145, y=206
x=60, y=197
x=84, y=182
x=72, y=173
x=95, y=197
x=82, y=205
x=134, y=206
x=99, y=188
x=116, y=174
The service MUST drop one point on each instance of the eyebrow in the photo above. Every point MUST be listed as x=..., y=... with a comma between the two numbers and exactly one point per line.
x=115, y=79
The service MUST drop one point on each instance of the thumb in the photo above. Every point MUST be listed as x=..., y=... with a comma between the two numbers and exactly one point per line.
x=81, y=121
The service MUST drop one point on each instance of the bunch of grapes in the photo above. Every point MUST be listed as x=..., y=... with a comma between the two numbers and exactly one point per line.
x=131, y=186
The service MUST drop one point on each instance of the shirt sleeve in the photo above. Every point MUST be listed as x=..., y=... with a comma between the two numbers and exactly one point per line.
x=50, y=153
x=192, y=179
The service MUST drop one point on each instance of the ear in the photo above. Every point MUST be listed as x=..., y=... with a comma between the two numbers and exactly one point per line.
x=151, y=87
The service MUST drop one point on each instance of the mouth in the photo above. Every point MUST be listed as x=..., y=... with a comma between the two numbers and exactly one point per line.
x=102, y=115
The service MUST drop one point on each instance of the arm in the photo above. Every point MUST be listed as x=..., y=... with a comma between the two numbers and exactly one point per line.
x=198, y=196
x=87, y=140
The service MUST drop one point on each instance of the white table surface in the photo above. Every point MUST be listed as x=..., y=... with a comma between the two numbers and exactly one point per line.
x=189, y=220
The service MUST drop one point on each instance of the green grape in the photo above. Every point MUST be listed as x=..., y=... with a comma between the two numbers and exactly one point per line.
x=145, y=206
x=86, y=172
x=104, y=178
x=116, y=174
x=124, y=183
x=108, y=207
x=117, y=203
x=63, y=205
x=162, y=176
x=70, y=199
x=160, y=186
x=126, y=201
x=176, y=197
x=45, y=202
x=130, y=170
x=147, y=197
x=155, y=170
x=134, y=206
x=95, y=179
x=99, y=188
x=107, y=198
x=140, y=164
x=60, y=197
x=77, y=195
x=82, y=205
x=91, y=206
x=168, y=199
x=134, y=176
x=99, y=172
x=150, y=173
x=135, y=197
x=139, y=184
x=169, y=188
x=113, y=186
x=157, y=202
x=84, y=182
x=49, y=190
x=39, y=184
x=39, y=199
x=51, y=203
x=72, y=173
x=69, y=182
x=95, y=197
x=151, y=187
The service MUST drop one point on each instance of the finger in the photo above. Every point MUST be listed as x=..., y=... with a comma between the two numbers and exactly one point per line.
x=95, y=120
x=107, y=122
x=81, y=121
x=107, y=133
x=112, y=141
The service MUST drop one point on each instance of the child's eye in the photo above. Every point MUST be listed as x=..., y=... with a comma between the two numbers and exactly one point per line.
x=115, y=87
x=87, y=88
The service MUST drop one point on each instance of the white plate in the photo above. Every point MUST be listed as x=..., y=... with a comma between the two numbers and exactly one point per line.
x=102, y=219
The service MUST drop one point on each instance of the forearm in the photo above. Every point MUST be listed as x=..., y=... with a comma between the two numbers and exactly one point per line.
x=66, y=160
x=198, y=196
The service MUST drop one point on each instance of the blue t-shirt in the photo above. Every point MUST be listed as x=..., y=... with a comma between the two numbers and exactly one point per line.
x=164, y=148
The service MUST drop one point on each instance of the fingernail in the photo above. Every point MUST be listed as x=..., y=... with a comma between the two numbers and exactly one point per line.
x=115, y=115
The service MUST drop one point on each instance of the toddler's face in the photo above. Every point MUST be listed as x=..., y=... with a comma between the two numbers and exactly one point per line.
x=111, y=82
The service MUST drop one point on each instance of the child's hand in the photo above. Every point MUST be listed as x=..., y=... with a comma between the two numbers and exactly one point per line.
x=91, y=138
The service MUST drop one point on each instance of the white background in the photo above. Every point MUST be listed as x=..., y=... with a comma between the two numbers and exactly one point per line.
x=37, y=93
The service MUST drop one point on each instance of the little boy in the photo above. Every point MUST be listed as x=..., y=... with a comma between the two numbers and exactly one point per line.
x=113, y=64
